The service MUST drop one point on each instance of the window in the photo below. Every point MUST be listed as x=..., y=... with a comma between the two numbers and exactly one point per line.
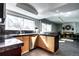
x=29, y=25
x=46, y=27
x=49, y=27
x=17, y=23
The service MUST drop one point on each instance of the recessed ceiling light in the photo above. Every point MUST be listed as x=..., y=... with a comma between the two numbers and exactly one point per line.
x=68, y=13
x=61, y=13
x=57, y=10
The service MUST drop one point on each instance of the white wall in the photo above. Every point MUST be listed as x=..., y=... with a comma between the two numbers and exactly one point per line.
x=77, y=27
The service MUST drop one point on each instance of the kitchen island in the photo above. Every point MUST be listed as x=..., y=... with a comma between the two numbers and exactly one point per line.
x=48, y=42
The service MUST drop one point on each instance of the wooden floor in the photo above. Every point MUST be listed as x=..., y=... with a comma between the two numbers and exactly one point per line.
x=66, y=48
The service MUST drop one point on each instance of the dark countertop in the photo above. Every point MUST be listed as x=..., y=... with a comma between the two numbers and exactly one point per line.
x=50, y=35
x=10, y=43
x=15, y=35
x=28, y=34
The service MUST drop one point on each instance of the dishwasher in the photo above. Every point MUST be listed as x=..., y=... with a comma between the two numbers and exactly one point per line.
x=33, y=41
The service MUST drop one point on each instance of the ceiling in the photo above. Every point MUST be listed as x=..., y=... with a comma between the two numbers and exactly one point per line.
x=56, y=12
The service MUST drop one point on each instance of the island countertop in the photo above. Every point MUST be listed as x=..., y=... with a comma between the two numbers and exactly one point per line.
x=29, y=34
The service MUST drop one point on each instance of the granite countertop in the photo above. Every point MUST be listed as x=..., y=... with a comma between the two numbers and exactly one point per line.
x=15, y=35
x=28, y=34
x=50, y=34
x=10, y=43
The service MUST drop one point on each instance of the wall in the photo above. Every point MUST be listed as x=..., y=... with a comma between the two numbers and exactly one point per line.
x=13, y=13
x=59, y=27
x=55, y=27
x=38, y=25
x=77, y=27
x=72, y=24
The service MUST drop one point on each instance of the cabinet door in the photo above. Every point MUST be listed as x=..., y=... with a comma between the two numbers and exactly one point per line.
x=20, y=38
x=33, y=41
x=50, y=42
x=25, y=48
x=42, y=42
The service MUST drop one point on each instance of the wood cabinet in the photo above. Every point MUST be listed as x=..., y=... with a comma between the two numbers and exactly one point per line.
x=51, y=43
x=26, y=46
x=29, y=42
x=41, y=42
x=20, y=38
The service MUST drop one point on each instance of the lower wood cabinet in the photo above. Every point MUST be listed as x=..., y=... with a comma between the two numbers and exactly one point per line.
x=41, y=42
x=29, y=42
x=20, y=38
x=26, y=46
x=51, y=43
x=48, y=43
